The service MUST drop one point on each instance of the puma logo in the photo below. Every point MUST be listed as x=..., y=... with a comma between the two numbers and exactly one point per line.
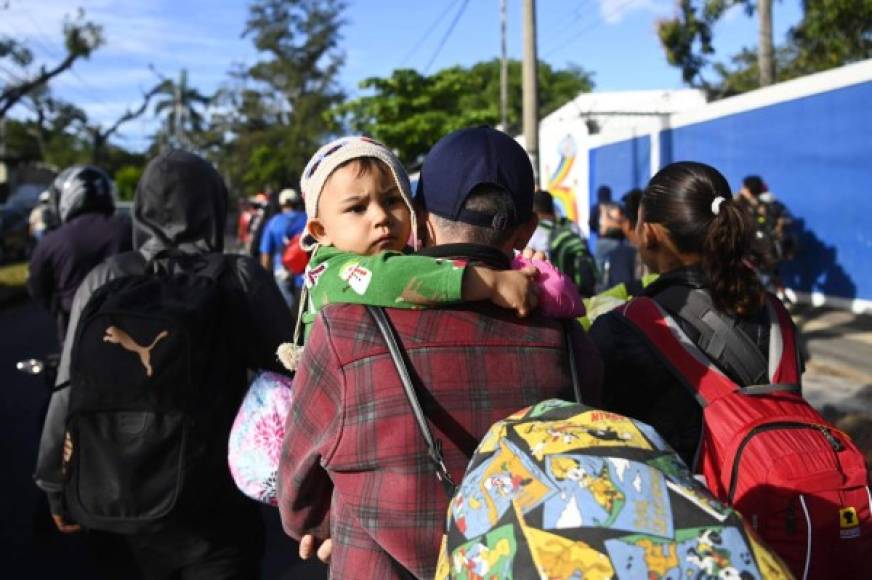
x=118, y=336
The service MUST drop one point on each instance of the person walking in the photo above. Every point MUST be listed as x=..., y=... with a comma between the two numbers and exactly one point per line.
x=140, y=373
x=355, y=469
x=83, y=198
x=279, y=231
x=696, y=238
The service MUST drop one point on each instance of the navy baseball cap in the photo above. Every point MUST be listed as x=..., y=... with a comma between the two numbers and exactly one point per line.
x=467, y=158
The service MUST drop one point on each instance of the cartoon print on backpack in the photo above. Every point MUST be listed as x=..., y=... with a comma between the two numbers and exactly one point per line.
x=715, y=552
x=507, y=478
x=606, y=430
x=615, y=507
x=607, y=492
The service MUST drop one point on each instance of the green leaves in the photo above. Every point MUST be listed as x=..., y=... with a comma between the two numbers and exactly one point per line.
x=831, y=33
x=409, y=111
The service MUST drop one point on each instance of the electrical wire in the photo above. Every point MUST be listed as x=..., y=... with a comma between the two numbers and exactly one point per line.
x=430, y=29
x=579, y=34
x=447, y=34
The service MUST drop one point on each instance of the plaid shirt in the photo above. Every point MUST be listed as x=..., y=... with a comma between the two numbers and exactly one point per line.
x=355, y=466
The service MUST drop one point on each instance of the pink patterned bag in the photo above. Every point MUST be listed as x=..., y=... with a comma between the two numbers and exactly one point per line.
x=256, y=437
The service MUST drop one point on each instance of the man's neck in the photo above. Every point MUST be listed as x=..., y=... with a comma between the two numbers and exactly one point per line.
x=486, y=255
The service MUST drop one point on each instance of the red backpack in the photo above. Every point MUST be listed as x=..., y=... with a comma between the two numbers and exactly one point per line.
x=294, y=258
x=799, y=481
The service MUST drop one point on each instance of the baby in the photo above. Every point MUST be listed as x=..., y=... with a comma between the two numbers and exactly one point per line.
x=361, y=219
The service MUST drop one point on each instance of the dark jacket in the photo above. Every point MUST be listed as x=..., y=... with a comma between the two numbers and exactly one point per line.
x=180, y=205
x=638, y=383
x=355, y=466
x=63, y=258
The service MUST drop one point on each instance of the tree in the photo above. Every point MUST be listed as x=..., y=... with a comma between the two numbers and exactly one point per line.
x=99, y=135
x=180, y=105
x=409, y=111
x=81, y=38
x=831, y=33
x=53, y=126
x=126, y=178
x=281, y=106
x=687, y=38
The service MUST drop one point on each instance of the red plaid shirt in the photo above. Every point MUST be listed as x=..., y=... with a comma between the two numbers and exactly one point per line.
x=355, y=466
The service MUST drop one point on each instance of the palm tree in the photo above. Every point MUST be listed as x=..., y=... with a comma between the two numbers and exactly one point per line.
x=180, y=106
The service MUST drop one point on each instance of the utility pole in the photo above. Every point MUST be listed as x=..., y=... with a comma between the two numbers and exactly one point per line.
x=504, y=71
x=765, y=61
x=530, y=87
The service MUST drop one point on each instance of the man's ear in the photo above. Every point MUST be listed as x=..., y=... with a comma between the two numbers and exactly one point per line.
x=315, y=228
x=524, y=232
x=428, y=231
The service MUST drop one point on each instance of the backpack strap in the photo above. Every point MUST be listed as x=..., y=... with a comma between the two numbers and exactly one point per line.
x=719, y=337
x=434, y=445
x=678, y=352
x=573, y=363
x=784, y=365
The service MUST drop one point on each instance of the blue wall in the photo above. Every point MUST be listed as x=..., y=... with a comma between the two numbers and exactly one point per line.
x=815, y=153
x=622, y=166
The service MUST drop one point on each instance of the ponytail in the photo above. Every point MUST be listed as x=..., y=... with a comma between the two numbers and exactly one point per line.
x=734, y=285
x=694, y=203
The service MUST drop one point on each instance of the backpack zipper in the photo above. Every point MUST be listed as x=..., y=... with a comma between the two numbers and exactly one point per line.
x=835, y=444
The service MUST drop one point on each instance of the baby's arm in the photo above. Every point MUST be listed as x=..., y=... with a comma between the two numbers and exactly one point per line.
x=558, y=296
x=396, y=280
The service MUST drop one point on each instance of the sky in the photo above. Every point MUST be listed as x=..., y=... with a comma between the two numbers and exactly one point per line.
x=614, y=39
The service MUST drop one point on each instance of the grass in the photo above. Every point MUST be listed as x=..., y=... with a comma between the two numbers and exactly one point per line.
x=13, y=275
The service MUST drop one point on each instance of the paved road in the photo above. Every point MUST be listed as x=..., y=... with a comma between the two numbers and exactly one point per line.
x=839, y=365
x=28, y=541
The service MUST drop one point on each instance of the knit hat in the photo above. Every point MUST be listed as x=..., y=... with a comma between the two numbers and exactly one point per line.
x=332, y=155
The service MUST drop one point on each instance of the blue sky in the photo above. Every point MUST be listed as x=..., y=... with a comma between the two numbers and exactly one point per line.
x=615, y=39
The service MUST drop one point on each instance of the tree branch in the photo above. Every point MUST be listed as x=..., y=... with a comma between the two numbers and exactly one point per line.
x=11, y=95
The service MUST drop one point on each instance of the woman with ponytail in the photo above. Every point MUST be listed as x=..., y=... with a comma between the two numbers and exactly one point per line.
x=691, y=233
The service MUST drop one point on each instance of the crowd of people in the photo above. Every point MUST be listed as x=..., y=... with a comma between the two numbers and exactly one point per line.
x=415, y=322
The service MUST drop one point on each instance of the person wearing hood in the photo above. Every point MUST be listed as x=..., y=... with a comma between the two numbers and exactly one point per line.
x=179, y=211
x=82, y=197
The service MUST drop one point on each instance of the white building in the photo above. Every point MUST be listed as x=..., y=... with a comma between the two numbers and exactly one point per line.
x=566, y=135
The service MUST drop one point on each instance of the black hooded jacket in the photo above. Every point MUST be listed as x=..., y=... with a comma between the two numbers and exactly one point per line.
x=180, y=206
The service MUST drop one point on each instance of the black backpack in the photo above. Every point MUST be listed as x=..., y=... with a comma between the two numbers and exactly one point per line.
x=570, y=254
x=142, y=439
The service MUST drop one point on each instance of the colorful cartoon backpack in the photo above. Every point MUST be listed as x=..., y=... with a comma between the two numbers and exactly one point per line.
x=256, y=437
x=799, y=481
x=562, y=490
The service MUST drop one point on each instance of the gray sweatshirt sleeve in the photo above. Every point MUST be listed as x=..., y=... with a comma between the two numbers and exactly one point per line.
x=49, y=474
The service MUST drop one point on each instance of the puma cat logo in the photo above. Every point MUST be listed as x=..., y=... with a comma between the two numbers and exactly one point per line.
x=118, y=336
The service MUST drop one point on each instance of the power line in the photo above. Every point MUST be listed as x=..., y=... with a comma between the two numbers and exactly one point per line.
x=447, y=34
x=576, y=14
x=430, y=29
x=580, y=32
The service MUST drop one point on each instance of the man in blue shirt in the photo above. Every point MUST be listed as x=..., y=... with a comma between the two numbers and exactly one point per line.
x=280, y=229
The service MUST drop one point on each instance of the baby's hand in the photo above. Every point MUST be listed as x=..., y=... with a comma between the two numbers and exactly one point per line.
x=531, y=254
x=516, y=289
